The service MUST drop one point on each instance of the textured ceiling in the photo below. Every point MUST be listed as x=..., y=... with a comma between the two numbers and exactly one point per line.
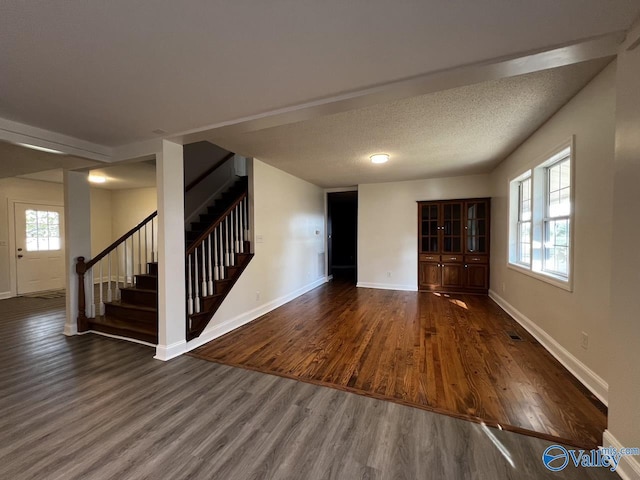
x=464, y=130
x=111, y=72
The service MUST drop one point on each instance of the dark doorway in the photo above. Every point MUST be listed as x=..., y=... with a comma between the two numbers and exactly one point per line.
x=342, y=231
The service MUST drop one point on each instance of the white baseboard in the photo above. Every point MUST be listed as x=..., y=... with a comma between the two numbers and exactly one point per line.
x=388, y=286
x=246, y=317
x=629, y=466
x=5, y=295
x=584, y=374
x=167, y=352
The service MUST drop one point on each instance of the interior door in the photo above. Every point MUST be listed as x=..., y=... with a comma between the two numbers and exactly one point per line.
x=39, y=247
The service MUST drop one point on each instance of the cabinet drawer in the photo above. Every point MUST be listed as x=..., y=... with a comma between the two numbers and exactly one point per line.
x=452, y=258
x=429, y=257
x=476, y=259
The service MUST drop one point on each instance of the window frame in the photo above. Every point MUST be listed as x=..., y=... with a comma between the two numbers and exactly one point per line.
x=520, y=221
x=538, y=172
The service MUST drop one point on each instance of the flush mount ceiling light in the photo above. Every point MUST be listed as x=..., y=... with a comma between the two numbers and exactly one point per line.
x=379, y=158
x=97, y=178
x=40, y=149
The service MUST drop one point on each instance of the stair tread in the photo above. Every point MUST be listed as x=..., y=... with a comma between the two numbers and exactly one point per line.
x=138, y=289
x=146, y=275
x=132, y=306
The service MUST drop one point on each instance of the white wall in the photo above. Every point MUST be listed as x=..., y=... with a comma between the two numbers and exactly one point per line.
x=30, y=191
x=101, y=220
x=388, y=226
x=560, y=314
x=289, y=215
x=623, y=363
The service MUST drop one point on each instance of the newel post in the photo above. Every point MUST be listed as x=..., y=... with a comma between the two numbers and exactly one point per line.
x=81, y=269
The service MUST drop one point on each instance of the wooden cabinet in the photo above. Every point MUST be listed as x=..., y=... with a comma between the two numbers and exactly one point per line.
x=453, y=245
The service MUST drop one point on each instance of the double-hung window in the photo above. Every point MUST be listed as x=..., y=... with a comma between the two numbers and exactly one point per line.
x=541, y=213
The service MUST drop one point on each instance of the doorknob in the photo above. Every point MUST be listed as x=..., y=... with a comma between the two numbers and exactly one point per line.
x=19, y=249
x=20, y=256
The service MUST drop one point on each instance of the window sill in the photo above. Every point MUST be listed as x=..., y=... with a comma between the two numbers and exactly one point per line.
x=544, y=277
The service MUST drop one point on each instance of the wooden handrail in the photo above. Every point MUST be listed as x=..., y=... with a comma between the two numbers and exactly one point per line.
x=213, y=226
x=208, y=172
x=113, y=246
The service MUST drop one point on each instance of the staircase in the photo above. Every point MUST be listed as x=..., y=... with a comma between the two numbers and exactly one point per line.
x=217, y=253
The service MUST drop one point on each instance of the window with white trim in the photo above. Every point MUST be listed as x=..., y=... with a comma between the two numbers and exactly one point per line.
x=541, y=212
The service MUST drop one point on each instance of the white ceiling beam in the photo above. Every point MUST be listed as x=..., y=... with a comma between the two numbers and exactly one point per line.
x=558, y=56
x=14, y=132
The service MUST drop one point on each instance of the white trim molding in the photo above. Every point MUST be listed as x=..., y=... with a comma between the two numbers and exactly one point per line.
x=388, y=286
x=629, y=466
x=167, y=352
x=584, y=374
x=5, y=295
x=246, y=317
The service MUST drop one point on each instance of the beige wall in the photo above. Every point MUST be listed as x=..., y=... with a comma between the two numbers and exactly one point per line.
x=30, y=191
x=623, y=363
x=388, y=226
x=129, y=207
x=289, y=216
x=561, y=314
x=101, y=229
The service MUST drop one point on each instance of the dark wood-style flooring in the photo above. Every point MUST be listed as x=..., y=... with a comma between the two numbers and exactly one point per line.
x=95, y=408
x=449, y=354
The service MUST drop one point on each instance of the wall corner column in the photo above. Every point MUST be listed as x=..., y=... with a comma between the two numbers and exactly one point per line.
x=171, y=252
x=77, y=234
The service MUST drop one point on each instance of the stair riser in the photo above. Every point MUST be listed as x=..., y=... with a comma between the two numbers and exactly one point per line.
x=131, y=315
x=149, y=283
x=149, y=338
x=147, y=299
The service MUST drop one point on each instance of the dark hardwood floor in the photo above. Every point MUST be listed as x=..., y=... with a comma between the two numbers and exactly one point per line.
x=448, y=354
x=95, y=408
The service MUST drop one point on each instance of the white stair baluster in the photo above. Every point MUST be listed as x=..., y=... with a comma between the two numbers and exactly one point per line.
x=92, y=292
x=153, y=245
x=189, y=287
x=227, y=257
x=204, y=271
x=196, y=287
x=133, y=261
x=245, y=208
x=209, y=267
x=100, y=283
x=241, y=226
x=124, y=264
x=221, y=244
x=109, y=291
x=216, y=275
x=139, y=252
x=146, y=254
x=117, y=273
x=232, y=260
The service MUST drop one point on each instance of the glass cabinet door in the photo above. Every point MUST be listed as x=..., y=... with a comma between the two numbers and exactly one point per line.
x=452, y=227
x=476, y=214
x=429, y=241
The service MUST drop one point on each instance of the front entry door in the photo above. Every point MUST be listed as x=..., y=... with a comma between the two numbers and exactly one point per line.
x=39, y=247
